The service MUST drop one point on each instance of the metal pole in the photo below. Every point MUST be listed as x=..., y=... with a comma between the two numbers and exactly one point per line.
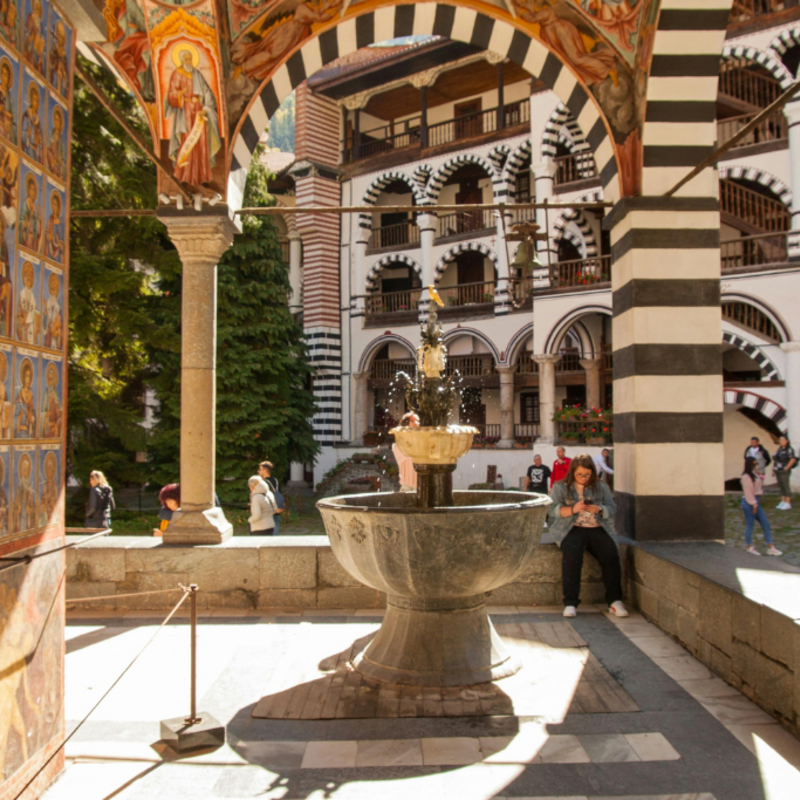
x=193, y=719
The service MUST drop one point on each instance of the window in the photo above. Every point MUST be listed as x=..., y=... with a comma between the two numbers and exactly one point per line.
x=529, y=408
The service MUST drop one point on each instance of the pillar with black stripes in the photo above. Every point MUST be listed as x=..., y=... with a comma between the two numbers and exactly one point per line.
x=668, y=400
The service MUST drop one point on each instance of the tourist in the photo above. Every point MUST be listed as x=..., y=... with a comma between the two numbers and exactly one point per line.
x=405, y=466
x=265, y=473
x=101, y=502
x=601, y=464
x=581, y=518
x=784, y=461
x=170, y=499
x=757, y=451
x=753, y=510
x=263, y=509
x=560, y=466
x=538, y=476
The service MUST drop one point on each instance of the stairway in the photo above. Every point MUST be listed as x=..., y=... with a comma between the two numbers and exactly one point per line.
x=751, y=212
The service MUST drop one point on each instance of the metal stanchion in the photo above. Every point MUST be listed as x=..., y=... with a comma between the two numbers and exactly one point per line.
x=198, y=730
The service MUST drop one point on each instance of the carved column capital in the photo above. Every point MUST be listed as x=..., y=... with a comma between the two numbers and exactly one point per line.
x=547, y=359
x=202, y=239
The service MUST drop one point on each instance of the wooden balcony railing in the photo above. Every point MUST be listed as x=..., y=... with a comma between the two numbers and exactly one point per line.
x=465, y=222
x=570, y=362
x=753, y=88
x=489, y=121
x=488, y=434
x=392, y=136
x=581, y=272
x=754, y=251
x=746, y=10
x=753, y=318
x=398, y=235
x=466, y=294
x=754, y=208
x=385, y=369
x=392, y=302
x=470, y=366
x=523, y=214
x=773, y=128
x=574, y=167
x=526, y=432
x=526, y=365
x=585, y=431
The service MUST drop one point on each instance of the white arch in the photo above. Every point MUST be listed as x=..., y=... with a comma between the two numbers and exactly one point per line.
x=764, y=308
x=754, y=352
x=514, y=165
x=758, y=175
x=462, y=247
x=391, y=258
x=517, y=343
x=377, y=186
x=559, y=330
x=456, y=333
x=769, y=408
x=762, y=58
x=376, y=344
x=437, y=180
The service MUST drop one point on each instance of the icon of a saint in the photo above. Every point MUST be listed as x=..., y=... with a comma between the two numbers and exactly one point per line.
x=8, y=114
x=48, y=490
x=56, y=147
x=24, y=511
x=33, y=45
x=54, y=230
x=57, y=68
x=53, y=321
x=8, y=20
x=30, y=220
x=52, y=412
x=25, y=404
x=27, y=311
x=3, y=501
x=191, y=105
x=5, y=401
x=32, y=136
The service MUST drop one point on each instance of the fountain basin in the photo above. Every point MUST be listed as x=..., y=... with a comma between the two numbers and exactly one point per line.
x=435, y=566
x=436, y=444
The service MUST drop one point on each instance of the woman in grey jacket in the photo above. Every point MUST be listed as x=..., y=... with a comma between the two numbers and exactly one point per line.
x=581, y=518
x=262, y=508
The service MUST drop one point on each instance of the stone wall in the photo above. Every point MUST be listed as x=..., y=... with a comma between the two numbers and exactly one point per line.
x=738, y=614
x=265, y=572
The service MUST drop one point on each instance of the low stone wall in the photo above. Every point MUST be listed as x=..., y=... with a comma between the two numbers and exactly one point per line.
x=738, y=614
x=266, y=572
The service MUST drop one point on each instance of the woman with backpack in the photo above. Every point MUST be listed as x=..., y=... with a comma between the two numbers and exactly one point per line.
x=783, y=462
x=101, y=502
x=262, y=508
x=753, y=510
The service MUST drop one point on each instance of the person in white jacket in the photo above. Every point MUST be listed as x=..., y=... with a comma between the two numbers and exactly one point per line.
x=262, y=507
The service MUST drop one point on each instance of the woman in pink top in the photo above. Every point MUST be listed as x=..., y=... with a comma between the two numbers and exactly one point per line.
x=408, y=475
x=751, y=505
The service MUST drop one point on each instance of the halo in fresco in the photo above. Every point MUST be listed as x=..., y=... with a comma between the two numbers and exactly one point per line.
x=6, y=384
x=9, y=96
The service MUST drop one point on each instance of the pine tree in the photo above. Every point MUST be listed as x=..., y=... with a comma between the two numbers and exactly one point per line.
x=264, y=401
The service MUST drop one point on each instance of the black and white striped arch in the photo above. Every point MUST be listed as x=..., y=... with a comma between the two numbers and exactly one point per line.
x=755, y=352
x=769, y=408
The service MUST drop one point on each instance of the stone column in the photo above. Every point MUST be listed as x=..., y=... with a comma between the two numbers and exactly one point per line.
x=507, y=373
x=547, y=396
x=544, y=175
x=360, y=406
x=200, y=242
x=295, y=271
x=296, y=476
x=792, y=373
x=502, y=298
x=592, y=367
x=427, y=235
x=792, y=113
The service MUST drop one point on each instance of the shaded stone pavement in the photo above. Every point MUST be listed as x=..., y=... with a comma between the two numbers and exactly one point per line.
x=608, y=709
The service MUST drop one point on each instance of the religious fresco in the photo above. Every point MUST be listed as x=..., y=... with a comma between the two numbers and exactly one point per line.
x=5, y=491
x=31, y=184
x=9, y=95
x=56, y=146
x=59, y=51
x=10, y=21
x=34, y=34
x=27, y=308
x=48, y=505
x=51, y=409
x=6, y=390
x=23, y=488
x=26, y=394
x=129, y=45
x=54, y=236
x=34, y=103
x=53, y=305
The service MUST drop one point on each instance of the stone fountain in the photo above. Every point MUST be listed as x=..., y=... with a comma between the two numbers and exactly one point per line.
x=435, y=554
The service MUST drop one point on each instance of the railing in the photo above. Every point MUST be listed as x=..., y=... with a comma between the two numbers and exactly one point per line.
x=470, y=366
x=387, y=137
x=753, y=251
x=585, y=431
x=570, y=362
x=487, y=434
x=523, y=214
x=526, y=365
x=752, y=318
x=581, y=272
x=400, y=234
x=574, y=167
x=466, y=294
x=756, y=209
x=773, y=128
x=748, y=86
x=387, y=369
x=465, y=222
x=526, y=432
x=523, y=291
x=745, y=10
x=391, y=302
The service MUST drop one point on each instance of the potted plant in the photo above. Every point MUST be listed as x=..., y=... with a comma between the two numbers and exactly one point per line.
x=371, y=438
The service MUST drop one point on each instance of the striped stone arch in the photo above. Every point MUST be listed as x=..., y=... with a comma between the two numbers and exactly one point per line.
x=439, y=178
x=462, y=247
x=754, y=352
x=517, y=343
x=515, y=163
x=742, y=172
x=455, y=333
x=784, y=42
x=498, y=156
x=289, y=219
x=374, y=190
x=767, y=310
x=763, y=58
x=376, y=344
x=563, y=128
x=385, y=261
x=577, y=216
x=581, y=242
x=364, y=26
x=422, y=174
x=769, y=408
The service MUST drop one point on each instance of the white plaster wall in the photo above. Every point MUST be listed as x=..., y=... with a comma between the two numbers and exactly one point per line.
x=738, y=430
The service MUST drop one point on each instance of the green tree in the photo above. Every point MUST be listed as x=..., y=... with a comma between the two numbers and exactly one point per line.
x=281, y=126
x=113, y=262
x=264, y=401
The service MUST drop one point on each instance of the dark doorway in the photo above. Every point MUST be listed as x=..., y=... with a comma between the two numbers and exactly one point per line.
x=468, y=119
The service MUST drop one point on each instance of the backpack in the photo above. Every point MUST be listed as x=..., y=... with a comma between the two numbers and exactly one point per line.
x=106, y=501
x=280, y=500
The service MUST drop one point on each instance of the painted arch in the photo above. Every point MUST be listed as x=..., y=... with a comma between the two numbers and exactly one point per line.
x=376, y=344
x=755, y=352
x=392, y=258
x=452, y=165
x=763, y=58
x=462, y=247
x=760, y=176
x=570, y=320
x=769, y=408
x=377, y=186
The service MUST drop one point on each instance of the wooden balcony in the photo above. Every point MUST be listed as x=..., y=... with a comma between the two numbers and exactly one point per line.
x=582, y=273
x=384, y=371
x=745, y=209
x=765, y=251
x=570, y=362
x=479, y=366
x=744, y=12
x=400, y=236
x=467, y=298
x=585, y=431
x=474, y=125
x=774, y=130
x=745, y=87
x=753, y=319
x=466, y=222
x=526, y=365
x=575, y=167
x=395, y=307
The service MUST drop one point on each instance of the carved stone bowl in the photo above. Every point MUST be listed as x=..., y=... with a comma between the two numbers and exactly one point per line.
x=435, y=566
x=440, y=444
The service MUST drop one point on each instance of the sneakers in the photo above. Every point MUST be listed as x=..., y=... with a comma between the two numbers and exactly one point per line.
x=752, y=550
x=570, y=611
x=773, y=551
x=618, y=609
x=782, y=506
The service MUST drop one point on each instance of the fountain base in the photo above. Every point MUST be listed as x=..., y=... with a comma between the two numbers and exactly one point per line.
x=436, y=643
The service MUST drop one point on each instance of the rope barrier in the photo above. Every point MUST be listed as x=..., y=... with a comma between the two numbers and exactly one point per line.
x=17, y=561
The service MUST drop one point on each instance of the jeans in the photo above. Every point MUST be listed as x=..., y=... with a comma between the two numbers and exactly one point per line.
x=602, y=547
x=749, y=521
x=277, y=520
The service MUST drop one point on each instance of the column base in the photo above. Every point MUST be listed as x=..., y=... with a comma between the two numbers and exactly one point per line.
x=546, y=440
x=198, y=527
x=670, y=518
x=506, y=444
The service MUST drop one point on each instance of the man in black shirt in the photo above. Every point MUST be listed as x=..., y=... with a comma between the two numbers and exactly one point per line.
x=538, y=477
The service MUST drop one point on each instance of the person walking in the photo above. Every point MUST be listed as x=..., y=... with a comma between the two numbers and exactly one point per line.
x=757, y=451
x=537, y=477
x=784, y=461
x=405, y=466
x=560, y=466
x=581, y=519
x=604, y=470
x=265, y=469
x=753, y=510
x=170, y=499
x=262, y=508
x=101, y=502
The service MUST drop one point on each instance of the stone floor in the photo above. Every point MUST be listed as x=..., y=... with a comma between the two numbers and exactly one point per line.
x=682, y=734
